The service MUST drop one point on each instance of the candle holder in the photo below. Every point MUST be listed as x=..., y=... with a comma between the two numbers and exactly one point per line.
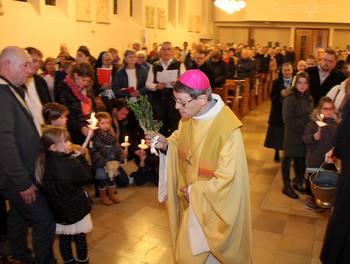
x=92, y=126
x=142, y=146
x=125, y=145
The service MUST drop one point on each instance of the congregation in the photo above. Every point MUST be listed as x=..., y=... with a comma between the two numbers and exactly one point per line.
x=61, y=92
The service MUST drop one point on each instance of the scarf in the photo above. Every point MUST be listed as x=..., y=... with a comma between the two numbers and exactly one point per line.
x=107, y=137
x=226, y=60
x=48, y=73
x=287, y=83
x=86, y=103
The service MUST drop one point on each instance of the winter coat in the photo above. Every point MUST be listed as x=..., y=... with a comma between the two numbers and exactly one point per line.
x=100, y=155
x=76, y=120
x=120, y=80
x=318, y=90
x=295, y=117
x=275, y=118
x=62, y=183
x=219, y=69
x=245, y=68
x=316, y=150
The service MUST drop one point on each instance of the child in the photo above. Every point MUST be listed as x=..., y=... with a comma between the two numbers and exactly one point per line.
x=296, y=108
x=61, y=177
x=319, y=141
x=55, y=114
x=148, y=168
x=106, y=156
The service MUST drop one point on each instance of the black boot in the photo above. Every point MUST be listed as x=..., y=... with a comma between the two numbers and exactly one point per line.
x=287, y=190
x=70, y=262
x=298, y=184
x=299, y=187
x=277, y=155
x=83, y=261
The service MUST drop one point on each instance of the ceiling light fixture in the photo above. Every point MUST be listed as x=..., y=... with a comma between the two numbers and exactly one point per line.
x=230, y=6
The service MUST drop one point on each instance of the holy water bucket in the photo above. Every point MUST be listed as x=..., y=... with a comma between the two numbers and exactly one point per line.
x=324, y=187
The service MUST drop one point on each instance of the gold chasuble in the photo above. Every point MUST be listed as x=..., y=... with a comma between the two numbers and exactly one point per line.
x=207, y=154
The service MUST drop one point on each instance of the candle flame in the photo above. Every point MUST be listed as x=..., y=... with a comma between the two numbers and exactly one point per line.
x=93, y=119
x=126, y=139
x=142, y=141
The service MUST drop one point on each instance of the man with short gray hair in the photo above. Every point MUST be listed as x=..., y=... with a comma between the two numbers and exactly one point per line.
x=19, y=144
x=160, y=80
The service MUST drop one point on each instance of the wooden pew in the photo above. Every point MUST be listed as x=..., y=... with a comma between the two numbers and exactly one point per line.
x=260, y=79
x=266, y=87
x=245, y=95
x=252, y=94
x=228, y=97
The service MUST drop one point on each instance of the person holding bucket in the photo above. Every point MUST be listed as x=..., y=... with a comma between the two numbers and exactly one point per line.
x=318, y=137
x=296, y=108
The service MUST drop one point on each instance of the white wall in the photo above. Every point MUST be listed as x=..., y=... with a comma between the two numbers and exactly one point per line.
x=341, y=38
x=234, y=35
x=263, y=35
x=46, y=27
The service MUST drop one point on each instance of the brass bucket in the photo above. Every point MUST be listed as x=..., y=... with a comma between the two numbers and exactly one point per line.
x=324, y=187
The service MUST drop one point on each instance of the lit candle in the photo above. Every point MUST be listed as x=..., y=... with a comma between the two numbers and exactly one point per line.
x=126, y=144
x=92, y=126
x=142, y=146
x=322, y=116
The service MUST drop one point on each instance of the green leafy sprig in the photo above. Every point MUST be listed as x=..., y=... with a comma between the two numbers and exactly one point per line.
x=144, y=114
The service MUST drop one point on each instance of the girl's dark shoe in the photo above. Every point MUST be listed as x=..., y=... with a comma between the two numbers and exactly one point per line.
x=289, y=192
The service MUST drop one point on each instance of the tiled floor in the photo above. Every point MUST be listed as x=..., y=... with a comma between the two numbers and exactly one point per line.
x=136, y=230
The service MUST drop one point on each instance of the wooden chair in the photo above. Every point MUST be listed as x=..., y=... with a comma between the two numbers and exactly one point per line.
x=252, y=95
x=230, y=96
x=260, y=84
x=245, y=95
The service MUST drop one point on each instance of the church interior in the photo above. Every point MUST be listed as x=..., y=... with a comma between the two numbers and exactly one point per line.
x=135, y=231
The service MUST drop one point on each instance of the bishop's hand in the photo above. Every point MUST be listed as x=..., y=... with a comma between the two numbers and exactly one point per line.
x=162, y=142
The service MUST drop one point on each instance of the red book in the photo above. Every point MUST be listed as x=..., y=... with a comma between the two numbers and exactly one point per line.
x=104, y=75
x=130, y=89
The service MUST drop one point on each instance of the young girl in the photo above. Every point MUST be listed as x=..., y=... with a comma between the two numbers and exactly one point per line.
x=296, y=108
x=61, y=177
x=319, y=141
x=106, y=153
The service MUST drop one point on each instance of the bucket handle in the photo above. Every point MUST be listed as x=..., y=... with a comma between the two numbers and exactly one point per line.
x=318, y=171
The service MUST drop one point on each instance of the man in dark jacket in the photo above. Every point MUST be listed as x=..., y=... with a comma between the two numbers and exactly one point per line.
x=218, y=66
x=322, y=77
x=245, y=66
x=160, y=80
x=19, y=144
x=201, y=65
x=39, y=83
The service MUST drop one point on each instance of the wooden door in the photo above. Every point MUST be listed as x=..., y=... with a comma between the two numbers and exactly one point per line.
x=308, y=40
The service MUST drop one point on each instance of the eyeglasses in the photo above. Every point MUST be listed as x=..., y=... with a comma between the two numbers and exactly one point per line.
x=327, y=109
x=185, y=103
